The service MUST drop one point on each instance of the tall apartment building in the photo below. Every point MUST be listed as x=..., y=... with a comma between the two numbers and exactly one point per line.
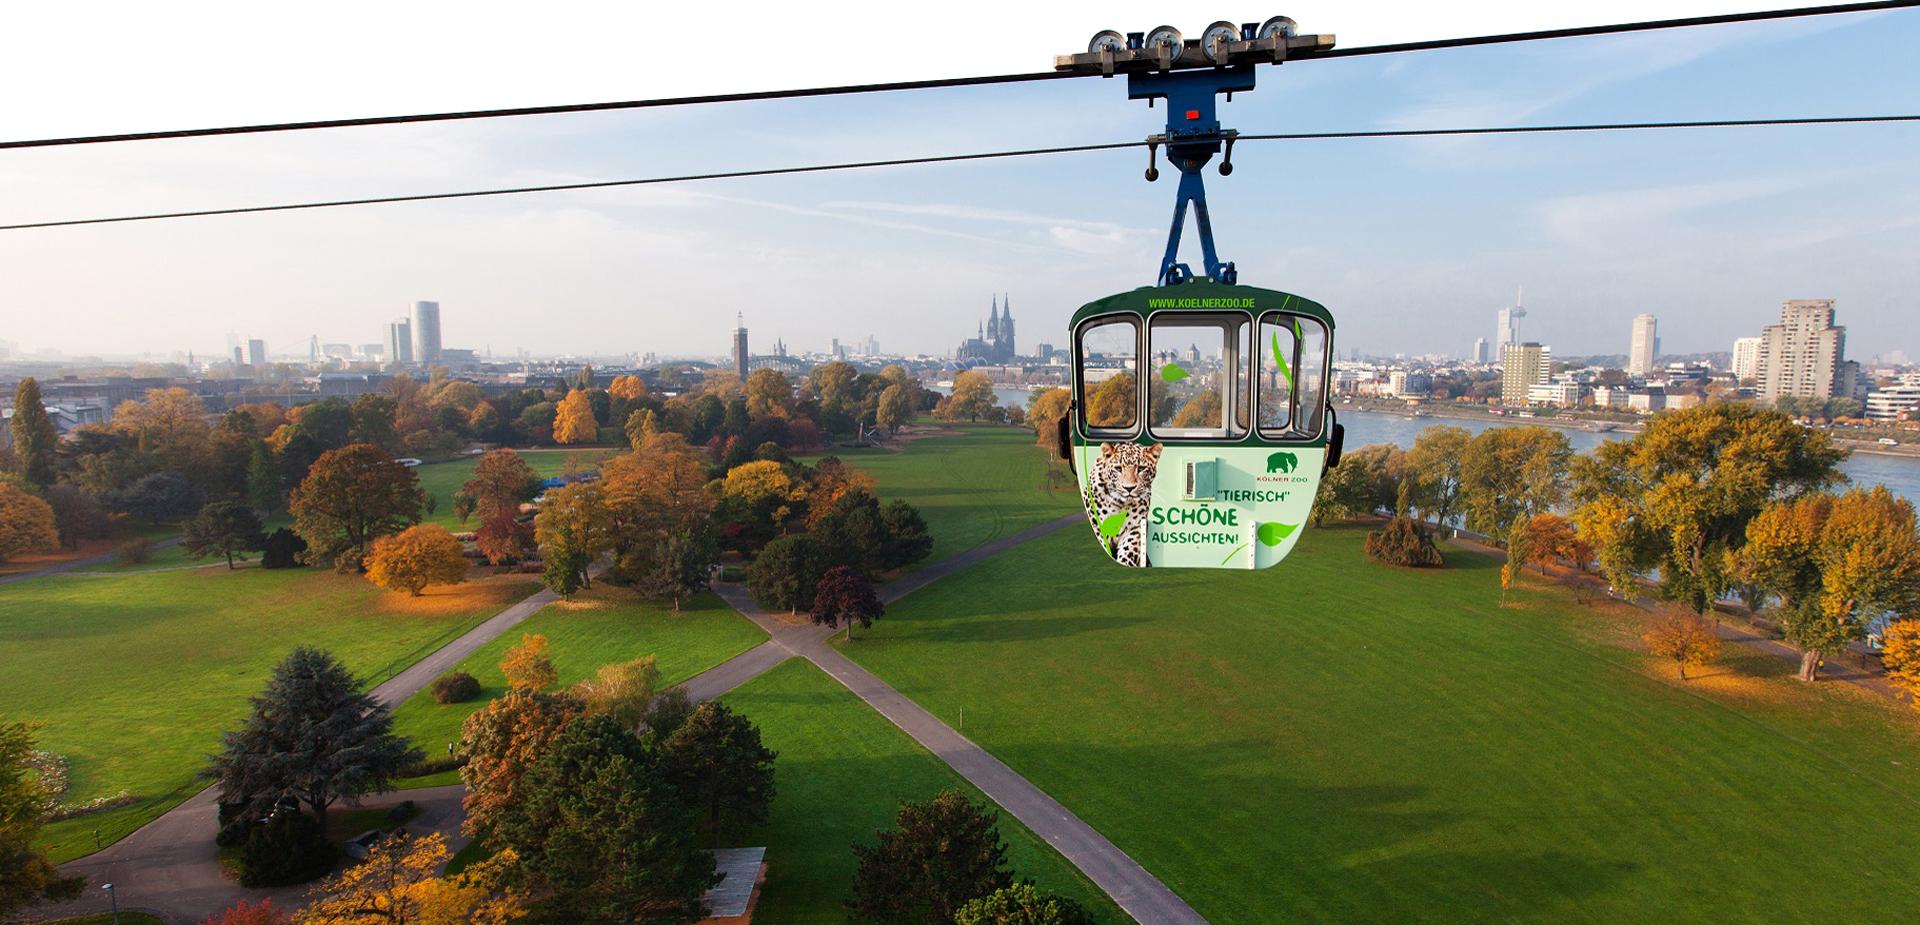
x=1746, y=358
x=1507, y=326
x=1479, y=350
x=740, y=355
x=1804, y=355
x=257, y=353
x=426, y=331
x=1523, y=366
x=1645, y=347
x=400, y=342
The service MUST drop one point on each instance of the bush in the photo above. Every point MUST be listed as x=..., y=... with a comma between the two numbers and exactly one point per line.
x=135, y=551
x=290, y=848
x=402, y=812
x=1405, y=542
x=432, y=766
x=283, y=549
x=458, y=687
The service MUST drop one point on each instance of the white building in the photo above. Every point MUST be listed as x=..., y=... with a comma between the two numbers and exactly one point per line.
x=1507, y=327
x=1645, y=346
x=1746, y=358
x=426, y=330
x=1564, y=394
x=1890, y=403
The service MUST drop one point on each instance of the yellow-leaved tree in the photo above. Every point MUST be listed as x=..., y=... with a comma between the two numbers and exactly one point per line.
x=628, y=387
x=1689, y=639
x=421, y=555
x=972, y=396
x=400, y=884
x=762, y=489
x=573, y=419
x=1901, y=653
x=26, y=523
x=769, y=394
x=527, y=665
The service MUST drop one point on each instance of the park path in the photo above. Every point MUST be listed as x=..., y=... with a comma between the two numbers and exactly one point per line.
x=170, y=868
x=76, y=564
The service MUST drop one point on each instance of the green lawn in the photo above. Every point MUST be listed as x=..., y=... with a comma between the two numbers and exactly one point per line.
x=136, y=676
x=605, y=625
x=126, y=918
x=972, y=487
x=442, y=479
x=1335, y=740
x=842, y=772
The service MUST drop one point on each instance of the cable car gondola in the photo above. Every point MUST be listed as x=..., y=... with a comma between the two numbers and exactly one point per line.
x=1200, y=424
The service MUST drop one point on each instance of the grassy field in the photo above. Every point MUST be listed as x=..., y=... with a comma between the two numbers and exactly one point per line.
x=842, y=772
x=136, y=676
x=1335, y=740
x=972, y=487
x=442, y=479
x=605, y=625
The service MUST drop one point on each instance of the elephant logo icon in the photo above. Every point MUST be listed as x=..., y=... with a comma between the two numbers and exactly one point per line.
x=1282, y=462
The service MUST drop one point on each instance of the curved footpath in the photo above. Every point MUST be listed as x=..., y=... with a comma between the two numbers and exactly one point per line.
x=168, y=867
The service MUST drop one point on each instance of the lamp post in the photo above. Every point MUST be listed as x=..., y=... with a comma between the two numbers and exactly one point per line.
x=114, y=900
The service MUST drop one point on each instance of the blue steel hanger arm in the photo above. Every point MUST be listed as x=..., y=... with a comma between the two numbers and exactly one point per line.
x=1192, y=138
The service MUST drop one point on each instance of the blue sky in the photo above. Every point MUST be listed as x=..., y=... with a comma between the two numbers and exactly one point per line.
x=1413, y=243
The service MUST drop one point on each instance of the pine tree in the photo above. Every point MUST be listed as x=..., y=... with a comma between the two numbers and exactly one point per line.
x=263, y=480
x=313, y=737
x=34, y=436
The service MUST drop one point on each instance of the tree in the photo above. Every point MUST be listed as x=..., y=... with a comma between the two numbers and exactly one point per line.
x=263, y=479
x=972, y=396
x=783, y=576
x=26, y=523
x=908, y=539
x=622, y=691
x=314, y=737
x=421, y=555
x=1045, y=408
x=34, y=436
x=285, y=848
x=1023, y=904
x=350, y=496
x=573, y=528
x=603, y=835
x=573, y=419
x=243, y=912
x=895, y=409
x=762, y=490
x=716, y=761
x=769, y=394
x=631, y=388
x=1551, y=538
x=853, y=534
x=1835, y=563
x=941, y=855
x=501, y=481
x=1202, y=410
x=501, y=741
x=1433, y=467
x=1115, y=402
x=831, y=479
x=673, y=566
x=1511, y=472
x=223, y=528
x=1900, y=652
x=27, y=877
x=400, y=883
x=834, y=384
x=76, y=515
x=159, y=497
x=283, y=549
x=527, y=665
x=1404, y=542
x=1689, y=639
x=504, y=538
x=170, y=425
x=844, y=595
x=1694, y=479
x=1364, y=482
x=1621, y=544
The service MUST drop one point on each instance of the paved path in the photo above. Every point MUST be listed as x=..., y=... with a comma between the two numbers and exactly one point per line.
x=88, y=562
x=168, y=866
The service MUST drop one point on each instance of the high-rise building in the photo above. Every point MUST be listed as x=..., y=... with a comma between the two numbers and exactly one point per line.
x=740, y=355
x=1804, y=355
x=257, y=353
x=1746, y=358
x=1479, y=350
x=1645, y=347
x=1523, y=366
x=400, y=343
x=426, y=329
x=238, y=358
x=313, y=349
x=1507, y=328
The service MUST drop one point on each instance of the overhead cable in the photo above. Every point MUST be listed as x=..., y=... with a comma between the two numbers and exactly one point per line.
x=953, y=158
x=1615, y=29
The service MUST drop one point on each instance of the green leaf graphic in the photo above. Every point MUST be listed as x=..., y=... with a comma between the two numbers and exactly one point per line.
x=1281, y=361
x=1172, y=372
x=1110, y=525
x=1272, y=534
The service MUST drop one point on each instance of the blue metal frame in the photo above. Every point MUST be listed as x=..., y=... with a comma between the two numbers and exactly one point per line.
x=1193, y=137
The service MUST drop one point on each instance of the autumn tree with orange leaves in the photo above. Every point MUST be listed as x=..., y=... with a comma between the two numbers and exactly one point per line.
x=26, y=523
x=1689, y=639
x=1900, y=651
x=573, y=419
x=421, y=555
x=501, y=741
x=528, y=666
x=351, y=496
x=630, y=388
x=400, y=884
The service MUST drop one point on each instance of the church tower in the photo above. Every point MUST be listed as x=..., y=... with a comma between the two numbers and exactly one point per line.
x=993, y=320
x=1007, y=349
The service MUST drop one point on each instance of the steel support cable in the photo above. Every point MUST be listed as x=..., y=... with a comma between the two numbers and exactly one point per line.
x=1578, y=32
x=955, y=158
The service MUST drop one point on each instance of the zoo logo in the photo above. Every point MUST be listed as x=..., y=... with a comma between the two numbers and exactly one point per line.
x=1282, y=462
